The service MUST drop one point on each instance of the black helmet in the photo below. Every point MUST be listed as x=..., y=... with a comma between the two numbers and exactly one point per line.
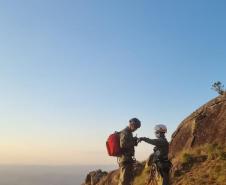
x=136, y=122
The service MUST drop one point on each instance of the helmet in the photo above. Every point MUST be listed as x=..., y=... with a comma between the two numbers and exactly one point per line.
x=136, y=122
x=160, y=128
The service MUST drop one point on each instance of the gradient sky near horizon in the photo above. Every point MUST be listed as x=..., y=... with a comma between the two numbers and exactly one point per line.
x=72, y=72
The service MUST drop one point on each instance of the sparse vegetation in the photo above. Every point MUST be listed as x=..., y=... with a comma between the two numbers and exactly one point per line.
x=202, y=165
x=143, y=178
x=186, y=158
x=215, y=151
x=218, y=87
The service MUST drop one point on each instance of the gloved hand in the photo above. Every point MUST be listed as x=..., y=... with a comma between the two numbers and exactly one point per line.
x=135, y=141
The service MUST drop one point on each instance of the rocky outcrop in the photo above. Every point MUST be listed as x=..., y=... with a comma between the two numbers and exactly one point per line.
x=94, y=177
x=103, y=178
x=206, y=125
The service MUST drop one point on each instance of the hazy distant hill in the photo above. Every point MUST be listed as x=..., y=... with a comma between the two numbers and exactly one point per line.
x=45, y=175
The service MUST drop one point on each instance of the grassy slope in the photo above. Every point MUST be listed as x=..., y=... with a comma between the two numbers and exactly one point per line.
x=210, y=171
x=144, y=177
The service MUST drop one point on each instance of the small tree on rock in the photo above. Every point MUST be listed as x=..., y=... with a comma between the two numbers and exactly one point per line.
x=218, y=87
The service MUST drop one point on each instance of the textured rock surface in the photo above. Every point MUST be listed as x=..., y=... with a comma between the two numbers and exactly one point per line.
x=94, y=177
x=206, y=125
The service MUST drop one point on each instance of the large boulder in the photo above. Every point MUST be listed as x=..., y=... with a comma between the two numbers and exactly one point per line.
x=206, y=125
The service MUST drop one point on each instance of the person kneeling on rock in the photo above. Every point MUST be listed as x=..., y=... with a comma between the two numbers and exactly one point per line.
x=161, y=150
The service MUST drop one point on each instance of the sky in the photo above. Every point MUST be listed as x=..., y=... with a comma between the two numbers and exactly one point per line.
x=73, y=72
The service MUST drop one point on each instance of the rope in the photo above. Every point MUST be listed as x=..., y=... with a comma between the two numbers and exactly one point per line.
x=152, y=179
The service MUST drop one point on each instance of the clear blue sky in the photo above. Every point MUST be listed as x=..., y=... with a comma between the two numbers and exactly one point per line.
x=72, y=72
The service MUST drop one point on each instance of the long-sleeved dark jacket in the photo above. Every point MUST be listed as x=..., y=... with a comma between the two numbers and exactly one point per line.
x=127, y=143
x=161, y=148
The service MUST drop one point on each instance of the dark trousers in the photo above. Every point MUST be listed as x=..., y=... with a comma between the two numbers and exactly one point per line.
x=126, y=174
x=165, y=176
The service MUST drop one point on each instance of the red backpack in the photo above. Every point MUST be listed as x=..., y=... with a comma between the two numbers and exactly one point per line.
x=113, y=145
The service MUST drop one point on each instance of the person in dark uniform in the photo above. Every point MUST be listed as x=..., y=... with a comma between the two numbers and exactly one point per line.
x=127, y=144
x=161, y=150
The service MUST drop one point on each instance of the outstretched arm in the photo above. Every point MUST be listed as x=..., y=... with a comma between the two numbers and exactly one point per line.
x=151, y=141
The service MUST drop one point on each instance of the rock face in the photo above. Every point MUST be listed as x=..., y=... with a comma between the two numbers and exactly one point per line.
x=206, y=125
